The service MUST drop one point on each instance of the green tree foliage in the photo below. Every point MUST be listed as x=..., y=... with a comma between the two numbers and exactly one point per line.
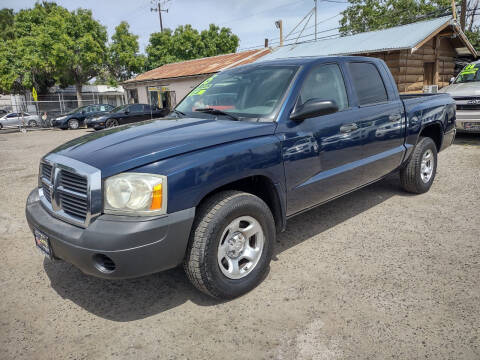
x=52, y=44
x=474, y=36
x=368, y=15
x=186, y=43
x=124, y=60
x=6, y=24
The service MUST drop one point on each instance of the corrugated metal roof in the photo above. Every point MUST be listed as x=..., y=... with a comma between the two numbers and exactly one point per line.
x=395, y=38
x=201, y=66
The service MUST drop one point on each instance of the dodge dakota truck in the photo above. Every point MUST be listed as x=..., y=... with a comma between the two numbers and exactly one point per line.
x=211, y=185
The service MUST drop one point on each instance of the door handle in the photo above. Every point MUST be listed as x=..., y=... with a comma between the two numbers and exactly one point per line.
x=395, y=117
x=348, y=128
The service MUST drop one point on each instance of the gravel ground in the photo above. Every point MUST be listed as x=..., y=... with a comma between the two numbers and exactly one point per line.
x=375, y=274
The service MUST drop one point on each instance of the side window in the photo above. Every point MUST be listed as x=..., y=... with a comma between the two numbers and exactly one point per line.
x=12, y=115
x=135, y=108
x=367, y=83
x=325, y=82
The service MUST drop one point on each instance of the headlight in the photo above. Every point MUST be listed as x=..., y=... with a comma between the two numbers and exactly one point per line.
x=136, y=194
x=61, y=118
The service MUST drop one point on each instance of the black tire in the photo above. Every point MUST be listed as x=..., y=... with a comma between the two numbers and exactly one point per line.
x=73, y=124
x=213, y=217
x=111, y=123
x=32, y=123
x=411, y=174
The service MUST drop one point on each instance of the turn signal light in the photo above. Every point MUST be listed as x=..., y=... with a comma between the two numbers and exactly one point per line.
x=156, y=197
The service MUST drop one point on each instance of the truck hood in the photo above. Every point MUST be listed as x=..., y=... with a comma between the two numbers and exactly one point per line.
x=463, y=89
x=127, y=147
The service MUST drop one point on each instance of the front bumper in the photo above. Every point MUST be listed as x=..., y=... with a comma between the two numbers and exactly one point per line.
x=468, y=120
x=96, y=125
x=137, y=245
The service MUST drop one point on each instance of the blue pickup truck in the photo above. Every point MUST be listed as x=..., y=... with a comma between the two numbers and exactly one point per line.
x=211, y=185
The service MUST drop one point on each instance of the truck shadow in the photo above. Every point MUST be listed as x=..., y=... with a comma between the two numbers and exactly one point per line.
x=127, y=300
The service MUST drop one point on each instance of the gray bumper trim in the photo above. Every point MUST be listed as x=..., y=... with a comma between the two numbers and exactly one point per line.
x=138, y=246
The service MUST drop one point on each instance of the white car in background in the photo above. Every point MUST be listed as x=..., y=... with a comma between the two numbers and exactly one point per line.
x=465, y=90
x=19, y=119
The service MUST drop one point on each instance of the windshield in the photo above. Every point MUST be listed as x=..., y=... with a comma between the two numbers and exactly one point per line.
x=77, y=110
x=469, y=73
x=251, y=92
x=119, y=108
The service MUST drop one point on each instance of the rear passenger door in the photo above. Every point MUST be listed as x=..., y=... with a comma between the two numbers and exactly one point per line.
x=379, y=124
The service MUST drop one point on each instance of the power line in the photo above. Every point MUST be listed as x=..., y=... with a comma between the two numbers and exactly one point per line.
x=311, y=26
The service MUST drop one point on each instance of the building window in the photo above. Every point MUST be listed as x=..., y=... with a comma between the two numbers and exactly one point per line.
x=161, y=98
x=132, y=95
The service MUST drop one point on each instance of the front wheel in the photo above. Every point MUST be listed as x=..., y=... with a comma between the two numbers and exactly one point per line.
x=111, y=123
x=73, y=124
x=418, y=174
x=230, y=245
x=32, y=123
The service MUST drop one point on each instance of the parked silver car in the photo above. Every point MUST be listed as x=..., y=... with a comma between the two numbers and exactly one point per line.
x=465, y=90
x=19, y=119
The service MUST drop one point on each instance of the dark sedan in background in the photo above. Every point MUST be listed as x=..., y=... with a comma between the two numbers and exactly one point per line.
x=126, y=114
x=76, y=118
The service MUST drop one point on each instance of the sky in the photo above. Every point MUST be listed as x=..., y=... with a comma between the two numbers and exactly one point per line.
x=251, y=20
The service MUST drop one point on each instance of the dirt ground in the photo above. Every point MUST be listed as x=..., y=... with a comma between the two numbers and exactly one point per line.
x=376, y=274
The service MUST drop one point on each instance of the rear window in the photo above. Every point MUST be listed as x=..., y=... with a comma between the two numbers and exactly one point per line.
x=367, y=83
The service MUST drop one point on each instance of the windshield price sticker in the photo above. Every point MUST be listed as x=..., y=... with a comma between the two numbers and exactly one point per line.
x=469, y=69
x=203, y=86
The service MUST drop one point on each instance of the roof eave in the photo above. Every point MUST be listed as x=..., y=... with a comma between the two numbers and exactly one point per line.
x=456, y=28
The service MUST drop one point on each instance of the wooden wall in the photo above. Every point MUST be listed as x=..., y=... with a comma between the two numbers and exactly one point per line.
x=408, y=68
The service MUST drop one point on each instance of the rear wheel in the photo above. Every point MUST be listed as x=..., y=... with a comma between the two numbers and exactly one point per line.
x=73, y=124
x=32, y=123
x=111, y=123
x=231, y=244
x=418, y=175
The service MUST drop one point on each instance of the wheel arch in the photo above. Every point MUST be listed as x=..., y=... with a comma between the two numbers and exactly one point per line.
x=434, y=131
x=261, y=186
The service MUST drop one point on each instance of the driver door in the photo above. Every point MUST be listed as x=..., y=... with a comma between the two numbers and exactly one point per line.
x=319, y=153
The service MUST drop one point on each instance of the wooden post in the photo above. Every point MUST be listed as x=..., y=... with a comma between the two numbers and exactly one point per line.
x=436, y=47
x=463, y=14
x=279, y=26
x=454, y=10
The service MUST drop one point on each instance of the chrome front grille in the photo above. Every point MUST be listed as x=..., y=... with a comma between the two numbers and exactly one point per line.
x=46, y=192
x=47, y=171
x=72, y=193
x=467, y=102
x=70, y=190
x=73, y=182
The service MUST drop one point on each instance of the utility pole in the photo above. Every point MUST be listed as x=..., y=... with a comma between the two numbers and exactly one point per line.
x=279, y=26
x=463, y=14
x=316, y=19
x=159, y=10
x=454, y=10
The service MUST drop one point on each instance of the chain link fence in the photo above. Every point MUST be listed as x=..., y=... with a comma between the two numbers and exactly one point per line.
x=18, y=112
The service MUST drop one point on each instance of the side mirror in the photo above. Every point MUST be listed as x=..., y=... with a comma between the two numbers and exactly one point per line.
x=126, y=112
x=313, y=108
x=452, y=79
x=84, y=112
